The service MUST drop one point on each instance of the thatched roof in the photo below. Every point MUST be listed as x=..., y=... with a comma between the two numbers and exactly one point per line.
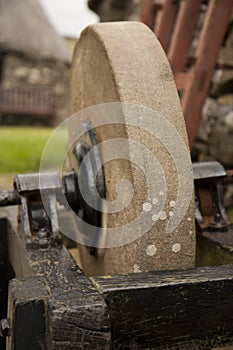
x=25, y=28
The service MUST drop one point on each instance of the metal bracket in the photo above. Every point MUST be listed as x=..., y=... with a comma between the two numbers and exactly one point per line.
x=210, y=212
x=91, y=178
x=39, y=229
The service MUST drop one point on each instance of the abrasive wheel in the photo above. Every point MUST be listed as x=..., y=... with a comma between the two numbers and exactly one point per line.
x=124, y=63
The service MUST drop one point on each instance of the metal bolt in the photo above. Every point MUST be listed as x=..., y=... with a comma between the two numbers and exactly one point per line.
x=217, y=217
x=4, y=327
x=43, y=239
x=218, y=225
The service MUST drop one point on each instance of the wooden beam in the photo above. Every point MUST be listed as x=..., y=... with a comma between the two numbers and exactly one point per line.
x=189, y=309
x=210, y=41
x=183, y=34
x=181, y=80
x=165, y=23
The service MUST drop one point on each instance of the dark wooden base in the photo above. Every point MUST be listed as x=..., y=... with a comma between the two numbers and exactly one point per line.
x=54, y=305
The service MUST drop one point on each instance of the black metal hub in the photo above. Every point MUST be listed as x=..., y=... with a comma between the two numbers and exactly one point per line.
x=40, y=221
x=90, y=177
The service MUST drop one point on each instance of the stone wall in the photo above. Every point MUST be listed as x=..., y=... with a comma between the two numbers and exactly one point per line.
x=18, y=70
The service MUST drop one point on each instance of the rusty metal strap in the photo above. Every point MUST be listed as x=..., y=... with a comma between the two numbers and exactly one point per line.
x=9, y=198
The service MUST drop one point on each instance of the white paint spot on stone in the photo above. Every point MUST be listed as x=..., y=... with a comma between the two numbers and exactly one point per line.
x=155, y=200
x=147, y=206
x=172, y=204
x=155, y=217
x=176, y=247
x=163, y=215
x=151, y=250
x=136, y=268
x=189, y=219
x=161, y=193
x=171, y=213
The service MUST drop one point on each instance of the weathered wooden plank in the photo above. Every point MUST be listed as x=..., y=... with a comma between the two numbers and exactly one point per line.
x=186, y=309
x=70, y=308
x=6, y=272
x=26, y=311
x=190, y=309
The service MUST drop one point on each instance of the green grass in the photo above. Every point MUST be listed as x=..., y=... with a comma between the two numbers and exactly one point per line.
x=21, y=148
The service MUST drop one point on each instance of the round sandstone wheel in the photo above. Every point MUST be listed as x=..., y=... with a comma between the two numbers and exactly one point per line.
x=124, y=63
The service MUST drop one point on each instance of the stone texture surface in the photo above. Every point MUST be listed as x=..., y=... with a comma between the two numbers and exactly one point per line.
x=215, y=134
x=123, y=62
x=20, y=70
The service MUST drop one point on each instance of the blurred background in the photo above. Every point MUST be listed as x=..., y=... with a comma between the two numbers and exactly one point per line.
x=37, y=38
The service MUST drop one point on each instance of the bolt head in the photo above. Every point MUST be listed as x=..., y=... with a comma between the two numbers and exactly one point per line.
x=4, y=327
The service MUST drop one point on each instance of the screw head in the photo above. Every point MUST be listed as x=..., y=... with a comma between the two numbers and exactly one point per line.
x=43, y=239
x=4, y=327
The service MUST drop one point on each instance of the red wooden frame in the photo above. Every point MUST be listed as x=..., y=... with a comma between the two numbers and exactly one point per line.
x=174, y=23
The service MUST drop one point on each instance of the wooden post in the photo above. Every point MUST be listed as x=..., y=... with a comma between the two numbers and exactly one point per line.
x=147, y=14
x=183, y=34
x=165, y=25
x=210, y=41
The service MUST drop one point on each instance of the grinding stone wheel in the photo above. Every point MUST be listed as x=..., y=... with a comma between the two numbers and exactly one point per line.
x=124, y=62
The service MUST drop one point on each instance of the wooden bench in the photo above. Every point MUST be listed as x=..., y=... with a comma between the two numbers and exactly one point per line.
x=34, y=101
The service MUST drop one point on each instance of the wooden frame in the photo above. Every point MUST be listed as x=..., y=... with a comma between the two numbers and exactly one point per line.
x=175, y=25
x=53, y=304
